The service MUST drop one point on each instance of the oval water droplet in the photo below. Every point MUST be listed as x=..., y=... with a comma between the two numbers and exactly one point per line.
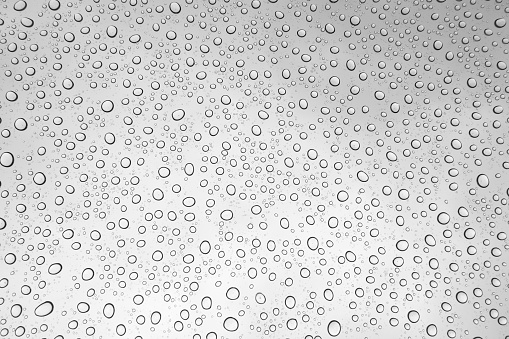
x=44, y=309
x=109, y=310
x=334, y=328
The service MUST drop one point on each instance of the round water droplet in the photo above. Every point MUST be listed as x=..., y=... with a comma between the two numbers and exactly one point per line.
x=109, y=138
x=83, y=307
x=163, y=172
x=178, y=114
x=432, y=330
x=67, y=83
x=10, y=258
x=54, y=5
x=39, y=178
x=413, y=316
x=500, y=23
x=379, y=95
x=312, y=243
x=175, y=7
x=231, y=324
x=438, y=45
x=334, y=328
x=107, y=106
x=87, y=274
x=20, y=124
x=231, y=29
x=456, y=144
x=111, y=31
x=158, y=194
x=461, y=297
x=292, y=324
x=260, y=298
x=342, y=196
x=233, y=293
x=11, y=96
x=334, y=81
x=483, y=181
x=463, y=212
x=443, y=218
x=227, y=215
x=402, y=245
x=171, y=35
x=188, y=258
x=355, y=20
x=6, y=159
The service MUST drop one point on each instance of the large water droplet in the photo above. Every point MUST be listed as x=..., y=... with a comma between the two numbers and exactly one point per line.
x=44, y=309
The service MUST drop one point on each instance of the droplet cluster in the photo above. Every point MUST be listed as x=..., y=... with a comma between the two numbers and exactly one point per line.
x=213, y=169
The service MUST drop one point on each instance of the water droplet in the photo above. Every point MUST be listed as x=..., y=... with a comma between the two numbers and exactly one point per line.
x=231, y=324
x=44, y=309
x=334, y=328
x=233, y=293
x=227, y=215
x=20, y=5
x=87, y=274
x=111, y=31
x=342, y=196
x=461, y=297
x=109, y=310
x=292, y=324
x=334, y=81
x=413, y=316
x=443, y=218
x=16, y=310
x=55, y=268
x=500, y=23
x=260, y=298
x=39, y=178
x=10, y=258
x=483, y=181
x=432, y=330
x=6, y=159
x=362, y=176
x=175, y=7
x=11, y=96
x=178, y=114
x=107, y=106
x=54, y=5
